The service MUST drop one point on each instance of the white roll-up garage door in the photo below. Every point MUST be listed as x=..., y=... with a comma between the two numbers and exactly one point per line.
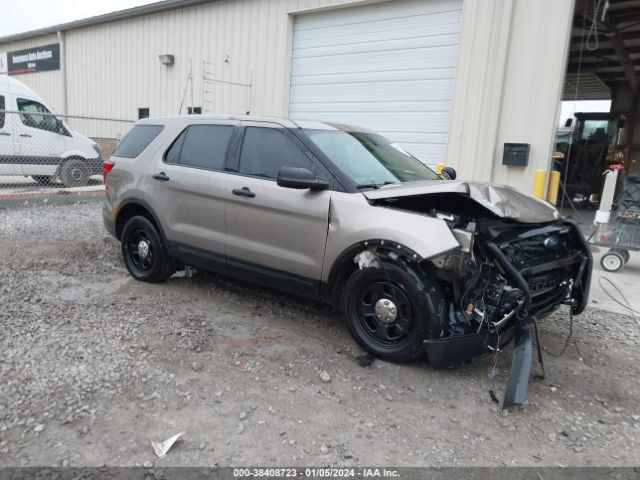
x=388, y=67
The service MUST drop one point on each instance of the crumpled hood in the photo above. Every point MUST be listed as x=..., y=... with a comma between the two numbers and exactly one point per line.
x=503, y=201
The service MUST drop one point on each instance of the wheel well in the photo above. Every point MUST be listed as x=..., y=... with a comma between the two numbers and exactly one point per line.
x=345, y=265
x=131, y=210
x=66, y=159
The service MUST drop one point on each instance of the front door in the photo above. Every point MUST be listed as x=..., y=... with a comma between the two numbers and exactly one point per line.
x=187, y=187
x=274, y=232
x=7, y=163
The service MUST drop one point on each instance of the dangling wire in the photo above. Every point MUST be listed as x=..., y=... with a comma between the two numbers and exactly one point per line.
x=593, y=31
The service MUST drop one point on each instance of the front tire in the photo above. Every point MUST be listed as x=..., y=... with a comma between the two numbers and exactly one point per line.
x=143, y=251
x=44, y=180
x=391, y=310
x=74, y=173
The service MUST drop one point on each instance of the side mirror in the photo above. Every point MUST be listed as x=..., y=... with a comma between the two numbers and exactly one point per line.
x=449, y=173
x=300, y=178
x=568, y=122
x=60, y=128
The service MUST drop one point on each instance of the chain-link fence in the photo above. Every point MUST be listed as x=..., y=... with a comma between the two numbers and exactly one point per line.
x=46, y=157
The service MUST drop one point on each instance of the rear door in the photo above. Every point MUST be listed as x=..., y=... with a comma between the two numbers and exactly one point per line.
x=40, y=140
x=278, y=234
x=7, y=164
x=187, y=186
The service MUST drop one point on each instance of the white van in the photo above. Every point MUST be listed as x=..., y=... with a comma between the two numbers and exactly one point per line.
x=34, y=142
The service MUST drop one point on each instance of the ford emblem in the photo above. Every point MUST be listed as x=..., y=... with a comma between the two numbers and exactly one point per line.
x=552, y=243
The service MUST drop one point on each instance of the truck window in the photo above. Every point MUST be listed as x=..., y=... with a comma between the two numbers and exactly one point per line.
x=35, y=115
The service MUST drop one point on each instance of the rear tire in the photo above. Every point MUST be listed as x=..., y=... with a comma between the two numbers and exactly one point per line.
x=392, y=321
x=143, y=251
x=74, y=173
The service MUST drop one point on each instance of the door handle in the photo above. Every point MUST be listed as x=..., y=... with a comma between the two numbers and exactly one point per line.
x=5, y=134
x=161, y=177
x=243, y=192
x=25, y=135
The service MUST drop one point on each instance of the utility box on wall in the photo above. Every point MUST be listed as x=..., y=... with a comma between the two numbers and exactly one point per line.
x=516, y=154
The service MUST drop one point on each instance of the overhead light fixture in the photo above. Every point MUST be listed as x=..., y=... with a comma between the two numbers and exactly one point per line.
x=166, y=59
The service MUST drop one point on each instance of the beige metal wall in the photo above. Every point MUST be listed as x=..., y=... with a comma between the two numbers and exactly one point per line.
x=508, y=82
x=511, y=66
x=113, y=68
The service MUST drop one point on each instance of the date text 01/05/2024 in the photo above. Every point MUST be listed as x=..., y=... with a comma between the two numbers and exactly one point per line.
x=312, y=472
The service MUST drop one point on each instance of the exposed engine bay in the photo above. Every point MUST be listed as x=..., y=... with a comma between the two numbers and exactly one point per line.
x=505, y=276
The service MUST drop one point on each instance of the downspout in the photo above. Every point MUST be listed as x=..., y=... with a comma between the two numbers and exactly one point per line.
x=63, y=64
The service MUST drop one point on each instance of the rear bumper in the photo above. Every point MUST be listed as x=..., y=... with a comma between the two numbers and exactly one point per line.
x=108, y=222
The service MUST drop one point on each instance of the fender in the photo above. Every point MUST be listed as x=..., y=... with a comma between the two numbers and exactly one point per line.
x=379, y=244
x=353, y=221
x=93, y=160
x=138, y=202
x=85, y=154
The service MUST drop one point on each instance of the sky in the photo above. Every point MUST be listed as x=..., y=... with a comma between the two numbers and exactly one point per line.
x=571, y=107
x=24, y=15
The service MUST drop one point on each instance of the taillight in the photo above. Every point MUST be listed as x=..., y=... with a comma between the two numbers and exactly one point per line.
x=106, y=168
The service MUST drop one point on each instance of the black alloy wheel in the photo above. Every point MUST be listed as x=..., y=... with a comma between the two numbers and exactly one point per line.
x=391, y=310
x=144, y=253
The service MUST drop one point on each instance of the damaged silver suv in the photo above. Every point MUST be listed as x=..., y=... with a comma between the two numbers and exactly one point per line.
x=336, y=213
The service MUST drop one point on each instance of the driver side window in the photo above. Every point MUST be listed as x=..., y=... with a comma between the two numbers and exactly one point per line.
x=266, y=150
x=35, y=115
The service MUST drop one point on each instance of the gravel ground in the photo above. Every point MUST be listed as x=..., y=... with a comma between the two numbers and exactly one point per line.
x=94, y=366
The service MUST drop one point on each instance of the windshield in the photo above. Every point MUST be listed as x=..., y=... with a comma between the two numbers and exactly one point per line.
x=370, y=160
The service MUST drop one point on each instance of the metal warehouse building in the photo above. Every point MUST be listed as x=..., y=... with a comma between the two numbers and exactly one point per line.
x=450, y=80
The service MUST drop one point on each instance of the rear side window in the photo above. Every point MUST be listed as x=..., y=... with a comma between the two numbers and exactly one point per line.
x=266, y=150
x=1, y=111
x=137, y=140
x=201, y=146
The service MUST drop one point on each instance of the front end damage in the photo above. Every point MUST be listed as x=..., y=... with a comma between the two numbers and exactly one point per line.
x=506, y=275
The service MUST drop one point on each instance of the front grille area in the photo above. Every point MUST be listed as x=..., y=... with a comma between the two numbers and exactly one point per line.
x=527, y=252
x=544, y=282
x=547, y=261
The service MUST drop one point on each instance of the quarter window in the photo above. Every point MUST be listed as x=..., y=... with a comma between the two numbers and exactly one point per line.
x=138, y=138
x=35, y=115
x=266, y=150
x=173, y=154
x=201, y=146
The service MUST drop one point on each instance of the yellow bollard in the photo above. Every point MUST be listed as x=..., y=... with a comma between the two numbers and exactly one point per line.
x=439, y=168
x=539, y=182
x=554, y=187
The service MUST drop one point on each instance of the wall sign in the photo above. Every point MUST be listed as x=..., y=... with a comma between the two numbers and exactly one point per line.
x=37, y=59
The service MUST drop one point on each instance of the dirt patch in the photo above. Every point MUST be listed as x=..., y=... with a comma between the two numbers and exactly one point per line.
x=94, y=366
